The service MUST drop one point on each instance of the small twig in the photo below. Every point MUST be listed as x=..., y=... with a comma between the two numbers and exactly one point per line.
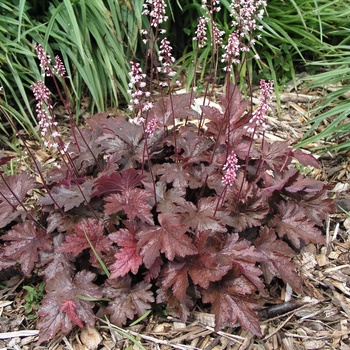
x=278, y=328
x=28, y=333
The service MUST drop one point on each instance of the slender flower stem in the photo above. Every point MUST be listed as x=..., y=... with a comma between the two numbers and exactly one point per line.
x=34, y=160
x=20, y=202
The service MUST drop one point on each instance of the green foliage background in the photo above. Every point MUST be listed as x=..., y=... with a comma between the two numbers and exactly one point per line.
x=98, y=38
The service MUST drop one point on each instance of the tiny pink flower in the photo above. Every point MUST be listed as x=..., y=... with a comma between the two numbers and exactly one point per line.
x=151, y=127
x=156, y=9
x=45, y=59
x=230, y=168
x=259, y=116
x=59, y=68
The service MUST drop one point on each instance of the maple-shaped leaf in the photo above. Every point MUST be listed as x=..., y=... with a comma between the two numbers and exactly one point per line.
x=194, y=147
x=68, y=197
x=69, y=307
x=230, y=304
x=306, y=185
x=203, y=267
x=85, y=149
x=167, y=109
x=242, y=254
x=61, y=223
x=234, y=106
x=276, y=156
x=317, y=206
x=24, y=241
x=87, y=229
x=215, y=117
x=127, y=258
x=19, y=184
x=123, y=141
x=201, y=217
x=278, y=262
x=134, y=202
x=306, y=158
x=127, y=301
x=117, y=182
x=169, y=238
x=55, y=261
x=174, y=307
x=173, y=173
x=291, y=221
x=277, y=181
x=248, y=206
x=62, y=307
x=169, y=200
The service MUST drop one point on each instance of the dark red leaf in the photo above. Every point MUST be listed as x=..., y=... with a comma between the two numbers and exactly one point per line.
x=69, y=307
x=203, y=268
x=117, y=182
x=201, y=217
x=276, y=156
x=250, y=210
x=53, y=262
x=127, y=301
x=25, y=241
x=68, y=197
x=229, y=304
x=167, y=109
x=126, y=259
x=20, y=185
x=169, y=200
x=56, y=314
x=279, y=262
x=292, y=222
x=76, y=242
x=134, y=202
x=173, y=173
x=317, y=206
x=169, y=238
x=306, y=159
x=242, y=254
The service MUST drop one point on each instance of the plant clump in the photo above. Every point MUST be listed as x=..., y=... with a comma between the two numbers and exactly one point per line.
x=151, y=210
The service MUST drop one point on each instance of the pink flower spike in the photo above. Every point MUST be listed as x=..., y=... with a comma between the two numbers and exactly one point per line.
x=230, y=168
x=44, y=58
x=151, y=127
x=259, y=116
x=59, y=68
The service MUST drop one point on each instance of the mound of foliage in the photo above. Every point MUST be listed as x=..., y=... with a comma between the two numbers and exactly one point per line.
x=175, y=207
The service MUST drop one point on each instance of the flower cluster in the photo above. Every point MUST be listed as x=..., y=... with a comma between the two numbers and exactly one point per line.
x=232, y=51
x=230, y=168
x=139, y=97
x=45, y=60
x=166, y=60
x=244, y=20
x=259, y=116
x=151, y=127
x=156, y=9
x=45, y=63
x=245, y=14
x=46, y=122
x=59, y=69
x=201, y=32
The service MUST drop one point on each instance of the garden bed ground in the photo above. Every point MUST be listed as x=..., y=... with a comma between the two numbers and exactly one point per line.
x=318, y=320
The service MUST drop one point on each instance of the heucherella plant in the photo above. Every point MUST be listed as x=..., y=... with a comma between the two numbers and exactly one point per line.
x=170, y=205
